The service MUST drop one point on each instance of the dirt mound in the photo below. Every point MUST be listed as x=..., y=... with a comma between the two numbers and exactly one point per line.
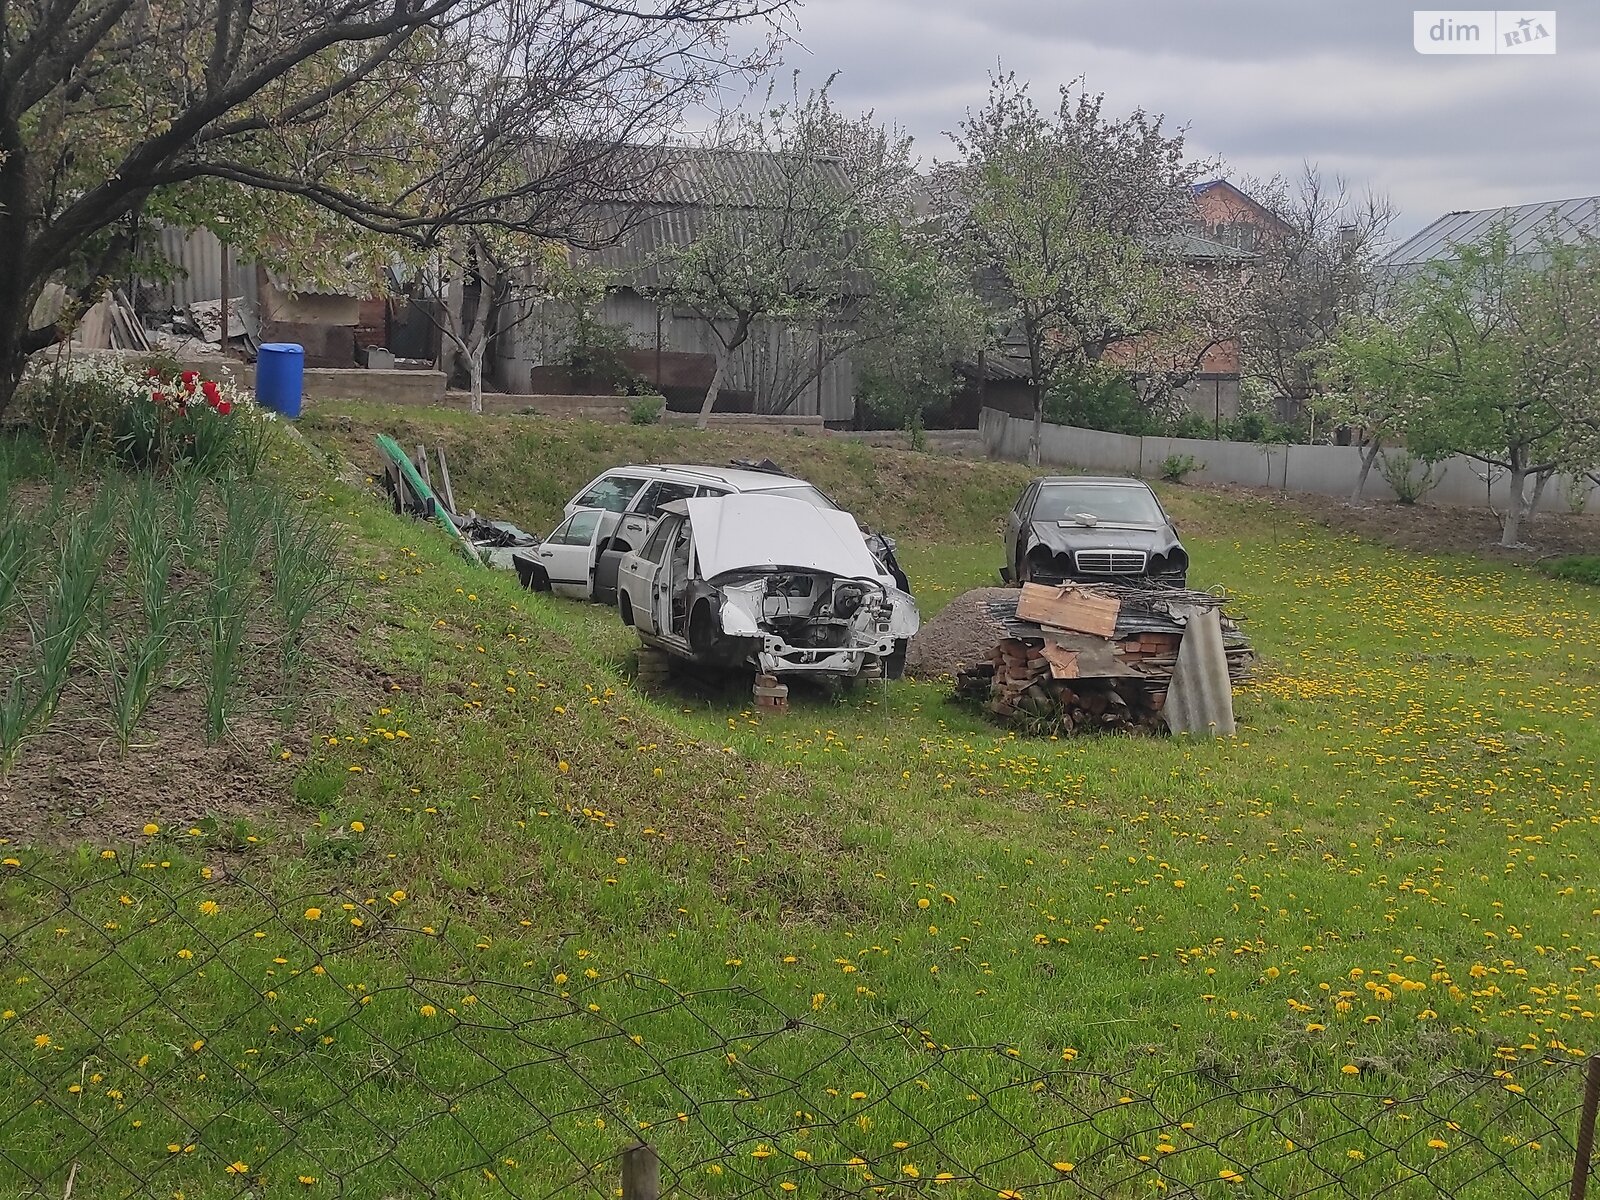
x=962, y=634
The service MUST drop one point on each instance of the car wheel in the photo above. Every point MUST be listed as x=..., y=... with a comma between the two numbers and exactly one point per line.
x=625, y=609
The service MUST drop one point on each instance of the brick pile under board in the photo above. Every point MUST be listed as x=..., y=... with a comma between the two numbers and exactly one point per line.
x=1083, y=658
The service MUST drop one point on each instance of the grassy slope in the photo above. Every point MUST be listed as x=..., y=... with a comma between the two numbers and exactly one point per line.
x=1410, y=806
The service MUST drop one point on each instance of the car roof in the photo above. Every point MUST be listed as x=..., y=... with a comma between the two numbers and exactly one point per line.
x=730, y=477
x=1114, y=480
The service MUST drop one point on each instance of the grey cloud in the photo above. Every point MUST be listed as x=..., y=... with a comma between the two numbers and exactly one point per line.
x=1264, y=85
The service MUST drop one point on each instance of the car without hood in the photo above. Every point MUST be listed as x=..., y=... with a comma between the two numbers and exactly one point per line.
x=583, y=561
x=766, y=581
x=1092, y=528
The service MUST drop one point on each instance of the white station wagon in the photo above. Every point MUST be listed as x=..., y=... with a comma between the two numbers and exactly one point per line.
x=614, y=513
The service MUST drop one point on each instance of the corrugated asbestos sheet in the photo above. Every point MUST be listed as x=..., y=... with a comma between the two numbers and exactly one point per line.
x=1571, y=219
x=1200, y=697
x=196, y=255
x=690, y=175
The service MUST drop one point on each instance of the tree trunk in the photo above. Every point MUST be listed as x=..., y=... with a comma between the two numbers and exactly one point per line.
x=16, y=305
x=1036, y=435
x=13, y=358
x=16, y=314
x=455, y=299
x=1035, y=369
x=714, y=389
x=477, y=340
x=1369, y=456
x=1511, y=527
x=475, y=374
x=741, y=330
x=1540, y=480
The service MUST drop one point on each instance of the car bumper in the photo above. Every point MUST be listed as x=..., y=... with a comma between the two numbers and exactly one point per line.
x=777, y=657
x=1055, y=578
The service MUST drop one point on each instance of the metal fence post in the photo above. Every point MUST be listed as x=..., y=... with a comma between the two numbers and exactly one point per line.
x=1582, y=1163
x=641, y=1173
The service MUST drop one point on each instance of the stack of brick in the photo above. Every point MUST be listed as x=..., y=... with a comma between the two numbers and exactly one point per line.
x=1078, y=658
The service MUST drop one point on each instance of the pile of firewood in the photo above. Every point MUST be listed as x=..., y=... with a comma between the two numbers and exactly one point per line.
x=1080, y=658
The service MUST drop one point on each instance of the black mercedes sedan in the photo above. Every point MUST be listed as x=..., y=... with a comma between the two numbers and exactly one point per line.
x=1092, y=528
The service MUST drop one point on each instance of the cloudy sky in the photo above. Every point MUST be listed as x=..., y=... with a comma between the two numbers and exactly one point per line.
x=1263, y=84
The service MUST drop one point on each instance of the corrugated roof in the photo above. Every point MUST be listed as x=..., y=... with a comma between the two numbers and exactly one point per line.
x=636, y=255
x=1570, y=219
x=676, y=190
x=694, y=175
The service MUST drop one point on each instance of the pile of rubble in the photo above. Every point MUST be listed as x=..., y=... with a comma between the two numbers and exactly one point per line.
x=1107, y=657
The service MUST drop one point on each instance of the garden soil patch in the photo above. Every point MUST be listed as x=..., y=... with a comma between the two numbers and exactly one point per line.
x=1431, y=529
x=71, y=785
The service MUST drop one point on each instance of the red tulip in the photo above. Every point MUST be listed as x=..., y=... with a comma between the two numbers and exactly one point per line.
x=224, y=407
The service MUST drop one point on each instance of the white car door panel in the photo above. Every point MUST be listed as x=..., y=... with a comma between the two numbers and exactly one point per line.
x=568, y=554
x=637, y=576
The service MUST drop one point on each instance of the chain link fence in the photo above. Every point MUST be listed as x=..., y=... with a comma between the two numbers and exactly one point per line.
x=168, y=1034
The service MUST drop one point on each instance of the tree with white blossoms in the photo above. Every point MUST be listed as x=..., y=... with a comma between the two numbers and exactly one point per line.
x=813, y=233
x=1493, y=354
x=1364, y=383
x=1317, y=268
x=283, y=123
x=1076, y=224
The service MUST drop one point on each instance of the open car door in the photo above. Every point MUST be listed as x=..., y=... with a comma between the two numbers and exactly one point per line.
x=568, y=554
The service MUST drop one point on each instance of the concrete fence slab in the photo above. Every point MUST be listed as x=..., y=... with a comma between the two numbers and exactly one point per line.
x=1320, y=470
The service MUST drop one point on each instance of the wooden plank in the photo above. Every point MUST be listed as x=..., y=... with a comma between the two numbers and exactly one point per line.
x=641, y=1174
x=1069, y=607
x=444, y=479
x=421, y=463
x=1063, y=662
x=1092, y=658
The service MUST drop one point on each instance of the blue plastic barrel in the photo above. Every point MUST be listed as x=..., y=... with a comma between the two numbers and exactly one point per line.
x=280, y=377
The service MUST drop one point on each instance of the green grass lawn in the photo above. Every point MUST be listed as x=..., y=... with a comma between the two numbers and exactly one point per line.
x=1384, y=879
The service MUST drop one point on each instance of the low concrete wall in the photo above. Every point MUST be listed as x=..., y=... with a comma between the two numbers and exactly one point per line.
x=815, y=426
x=1322, y=470
x=358, y=383
x=959, y=443
x=321, y=383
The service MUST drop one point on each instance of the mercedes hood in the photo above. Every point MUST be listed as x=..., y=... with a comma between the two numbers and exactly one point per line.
x=1065, y=538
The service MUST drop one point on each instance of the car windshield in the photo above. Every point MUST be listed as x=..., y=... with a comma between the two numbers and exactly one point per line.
x=1111, y=504
x=803, y=491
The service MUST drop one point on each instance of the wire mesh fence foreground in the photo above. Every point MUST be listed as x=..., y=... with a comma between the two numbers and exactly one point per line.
x=204, y=1039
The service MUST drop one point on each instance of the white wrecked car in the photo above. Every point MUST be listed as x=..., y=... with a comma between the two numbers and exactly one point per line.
x=764, y=581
